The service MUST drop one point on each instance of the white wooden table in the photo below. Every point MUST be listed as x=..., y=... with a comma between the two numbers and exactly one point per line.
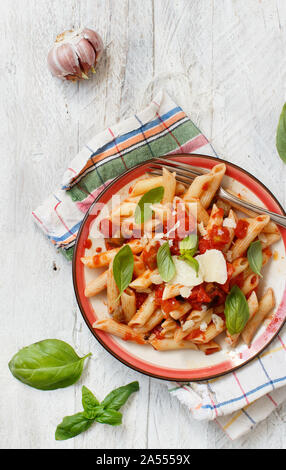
x=224, y=62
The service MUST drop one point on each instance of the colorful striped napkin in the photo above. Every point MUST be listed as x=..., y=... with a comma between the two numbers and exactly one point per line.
x=237, y=401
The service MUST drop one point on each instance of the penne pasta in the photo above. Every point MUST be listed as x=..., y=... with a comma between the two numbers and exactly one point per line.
x=209, y=348
x=211, y=332
x=119, y=329
x=104, y=258
x=169, y=184
x=254, y=228
x=145, y=311
x=170, y=344
x=269, y=239
x=265, y=306
x=239, y=265
x=250, y=283
x=128, y=303
x=153, y=321
x=96, y=285
x=113, y=301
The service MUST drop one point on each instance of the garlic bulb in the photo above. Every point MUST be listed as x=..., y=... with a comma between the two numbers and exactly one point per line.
x=75, y=53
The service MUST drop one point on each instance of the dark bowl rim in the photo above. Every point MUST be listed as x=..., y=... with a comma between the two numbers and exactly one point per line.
x=107, y=348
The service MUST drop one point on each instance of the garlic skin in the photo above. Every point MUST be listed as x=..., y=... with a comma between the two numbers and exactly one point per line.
x=75, y=53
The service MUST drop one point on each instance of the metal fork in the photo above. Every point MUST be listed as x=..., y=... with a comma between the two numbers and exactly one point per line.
x=187, y=173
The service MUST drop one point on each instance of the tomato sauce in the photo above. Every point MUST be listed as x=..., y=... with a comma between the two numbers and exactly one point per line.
x=150, y=256
x=170, y=305
x=140, y=299
x=157, y=332
x=241, y=228
x=194, y=334
x=199, y=295
x=87, y=244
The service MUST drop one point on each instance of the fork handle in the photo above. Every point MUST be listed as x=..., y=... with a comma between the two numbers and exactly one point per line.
x=277, y=218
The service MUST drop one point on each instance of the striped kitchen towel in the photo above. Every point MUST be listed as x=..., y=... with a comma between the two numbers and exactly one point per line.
x=237, y=401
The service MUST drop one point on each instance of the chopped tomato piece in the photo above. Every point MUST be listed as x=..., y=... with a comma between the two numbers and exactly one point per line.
x=204, y=245
x=170, y=305
x=199, y=294
x=241, y=228
x=219, y=235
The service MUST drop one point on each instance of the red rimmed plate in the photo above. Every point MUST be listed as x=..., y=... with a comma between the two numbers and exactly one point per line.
x=183, y=365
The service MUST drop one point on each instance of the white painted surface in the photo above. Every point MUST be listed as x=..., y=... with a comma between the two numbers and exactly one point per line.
x=224, y=62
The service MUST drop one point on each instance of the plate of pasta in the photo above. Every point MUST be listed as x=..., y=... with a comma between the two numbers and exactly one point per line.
x=173, y=280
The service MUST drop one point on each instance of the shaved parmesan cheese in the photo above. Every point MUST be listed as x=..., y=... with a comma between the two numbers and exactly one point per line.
x=230, y=223
x=185, y=274
x=229, y=256
x=213, y=265
x=218, y=321
x=203, y=326
x=188, y=324
x=185, y=291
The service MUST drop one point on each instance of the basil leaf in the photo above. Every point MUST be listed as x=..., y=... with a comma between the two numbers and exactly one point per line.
x=115, y=399
x=189, y=245
x=123, y=265
x=281, y=135
x=47, y=365
x=236, y=311
x=165, y=263
x=112, y=417
x=71, y=426
x=191, y=261
x=90, y=404
x=255, y=257
x=143, y=211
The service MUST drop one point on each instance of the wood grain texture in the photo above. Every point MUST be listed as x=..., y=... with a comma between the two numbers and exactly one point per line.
x=223, y=62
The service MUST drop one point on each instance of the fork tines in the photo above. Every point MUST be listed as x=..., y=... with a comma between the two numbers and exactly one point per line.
x=184, y=173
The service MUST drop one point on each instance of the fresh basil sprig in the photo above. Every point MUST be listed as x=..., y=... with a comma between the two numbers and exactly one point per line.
x=255, y=257
x=143, y=211
x=47, y=365
x=123, y=266
x=188, y=248
x=105, y=412
x=281, y=135
x=165, y=263
x=236, y=311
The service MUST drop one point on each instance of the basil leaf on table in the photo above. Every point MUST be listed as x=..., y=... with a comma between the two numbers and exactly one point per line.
x=105, y=412
x=71, y=426
x=112, y=417
x=90, y=404
x=115, y=399
x=255, y=257
x=47, y=365
x=165, y=263
x=143, y=211
x=281, y=135
x=236, y=311
x=123, y=266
